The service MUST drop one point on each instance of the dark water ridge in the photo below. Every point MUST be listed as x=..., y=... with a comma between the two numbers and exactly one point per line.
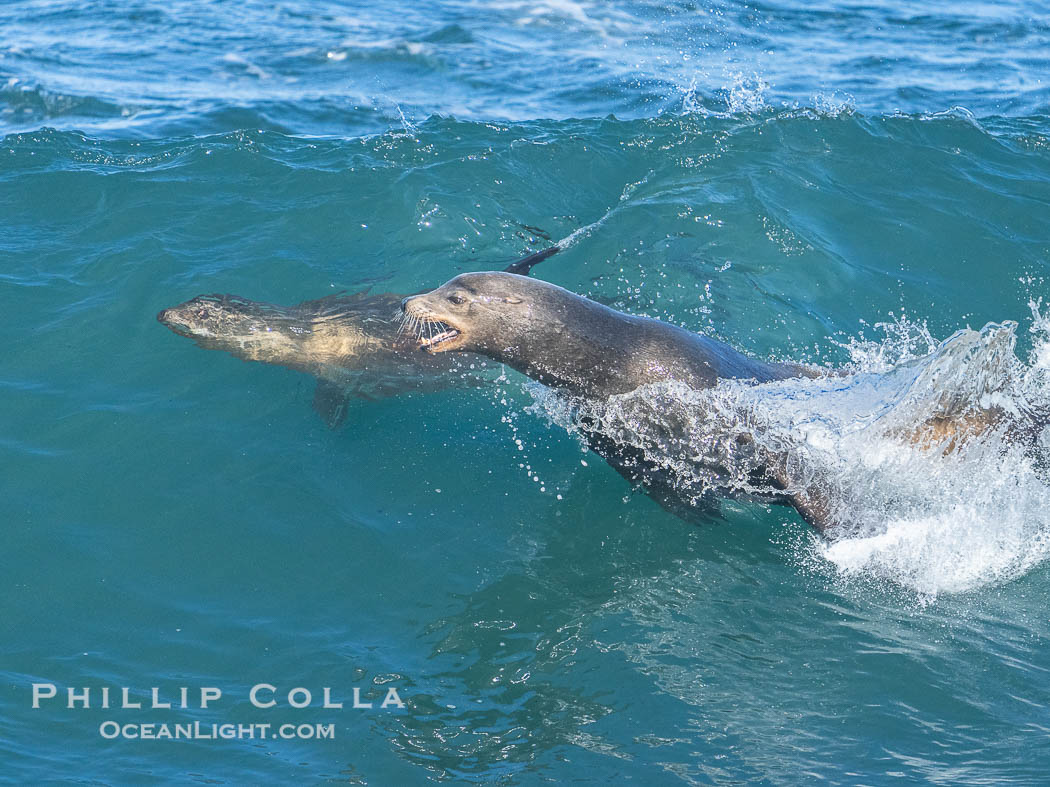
x=27, y=109
x=1029, y=131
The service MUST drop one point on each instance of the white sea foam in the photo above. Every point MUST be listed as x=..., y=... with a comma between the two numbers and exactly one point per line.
x=249, y=66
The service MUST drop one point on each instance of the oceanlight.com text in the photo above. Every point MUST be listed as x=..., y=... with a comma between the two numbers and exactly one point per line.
x=229, y=731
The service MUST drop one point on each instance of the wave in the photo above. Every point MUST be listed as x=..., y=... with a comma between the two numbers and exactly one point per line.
x=773, y=229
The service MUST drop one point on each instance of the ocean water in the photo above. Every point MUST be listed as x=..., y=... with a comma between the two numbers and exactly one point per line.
x=848, y=184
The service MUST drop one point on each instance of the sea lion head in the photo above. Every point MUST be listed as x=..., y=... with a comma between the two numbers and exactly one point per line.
x=217, y=319
x=552, y=335
x=249, y=329
x=474, y=312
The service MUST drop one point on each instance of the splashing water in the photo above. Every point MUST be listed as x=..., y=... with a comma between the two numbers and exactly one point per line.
x=741, y=93
x=937, y=511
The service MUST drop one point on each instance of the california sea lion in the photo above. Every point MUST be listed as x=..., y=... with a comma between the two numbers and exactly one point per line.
x=594, y=352
x=566, y=341
x=352, y=344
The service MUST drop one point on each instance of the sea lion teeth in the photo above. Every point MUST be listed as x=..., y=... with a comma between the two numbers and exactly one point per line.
x=444, y=336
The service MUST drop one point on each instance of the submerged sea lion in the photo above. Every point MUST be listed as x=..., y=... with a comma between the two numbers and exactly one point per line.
x=594, y=352
x=352, y=343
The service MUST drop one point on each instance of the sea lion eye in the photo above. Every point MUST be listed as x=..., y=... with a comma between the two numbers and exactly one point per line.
x=456, y=298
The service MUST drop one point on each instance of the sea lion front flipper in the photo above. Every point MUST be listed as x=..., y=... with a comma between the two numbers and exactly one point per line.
x=524, y=265
x=331, y=403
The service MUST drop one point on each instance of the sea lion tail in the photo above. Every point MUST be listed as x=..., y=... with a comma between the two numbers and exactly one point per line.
x=524, y=265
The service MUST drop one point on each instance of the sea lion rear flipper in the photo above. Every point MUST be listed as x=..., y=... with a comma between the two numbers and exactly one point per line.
x=524, y=265
x=331, y=403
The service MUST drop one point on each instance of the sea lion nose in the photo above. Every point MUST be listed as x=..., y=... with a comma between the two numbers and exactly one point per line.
x=162, y=315
x=404, y=302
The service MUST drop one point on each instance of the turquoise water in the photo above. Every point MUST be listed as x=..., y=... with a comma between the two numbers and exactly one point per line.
x=785, y=176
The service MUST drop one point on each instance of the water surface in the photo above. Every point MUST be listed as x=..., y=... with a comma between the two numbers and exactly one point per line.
x=784, y=176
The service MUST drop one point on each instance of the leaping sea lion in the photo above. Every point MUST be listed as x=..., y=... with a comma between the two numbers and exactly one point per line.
x=593, y=352
x=351, y=343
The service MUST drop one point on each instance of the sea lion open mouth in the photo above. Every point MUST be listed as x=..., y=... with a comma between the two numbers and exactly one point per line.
x=434, y=330
x=438, y=335
x=433, y=334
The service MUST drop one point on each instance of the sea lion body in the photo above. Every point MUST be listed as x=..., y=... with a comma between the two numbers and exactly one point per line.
x=346, y=340
x=566, y=341
x=353, y=344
